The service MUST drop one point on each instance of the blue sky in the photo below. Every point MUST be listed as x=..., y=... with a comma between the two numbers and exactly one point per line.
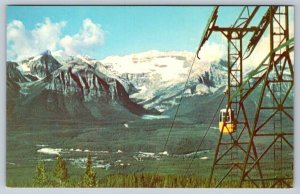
x=113, y=30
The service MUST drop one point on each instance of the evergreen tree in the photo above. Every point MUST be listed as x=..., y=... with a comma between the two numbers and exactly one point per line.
x=89, y=178
x=60, y=172
x=41, y=178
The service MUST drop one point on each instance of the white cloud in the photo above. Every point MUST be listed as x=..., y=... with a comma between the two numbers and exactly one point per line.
x=212, y=52
x=16, y=40
x=89, y=38
x=22, y=43
x=47, y=35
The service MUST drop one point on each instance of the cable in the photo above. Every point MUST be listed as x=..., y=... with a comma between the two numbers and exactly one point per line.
x=177, y=109
x=202, y=140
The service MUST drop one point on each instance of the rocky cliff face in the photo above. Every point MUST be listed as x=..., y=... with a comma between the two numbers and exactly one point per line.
x=153, y=80
x=144, y=83
x=159, y=77
x=41, y=66
x=78, y=81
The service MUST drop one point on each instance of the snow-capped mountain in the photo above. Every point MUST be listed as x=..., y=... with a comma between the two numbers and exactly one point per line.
x=143, y=83
x=14, y=74
x=73, y=88
x=159, y=77
x=40, y=66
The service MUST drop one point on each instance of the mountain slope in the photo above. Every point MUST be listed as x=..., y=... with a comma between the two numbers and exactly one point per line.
x=73, y=90
x=160, y=77
x=153, y=80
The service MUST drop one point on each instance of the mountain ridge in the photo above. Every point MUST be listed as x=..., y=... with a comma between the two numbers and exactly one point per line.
x=59, y=77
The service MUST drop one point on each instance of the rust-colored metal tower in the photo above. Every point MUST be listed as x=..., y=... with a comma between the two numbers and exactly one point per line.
x=231, y=147
x=238, y=155
x=273, y=121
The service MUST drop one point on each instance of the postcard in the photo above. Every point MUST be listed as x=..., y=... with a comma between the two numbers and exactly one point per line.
x=150, y=96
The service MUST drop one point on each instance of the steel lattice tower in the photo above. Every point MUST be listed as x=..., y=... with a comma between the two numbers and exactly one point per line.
x=273, y=122
x=240, y=155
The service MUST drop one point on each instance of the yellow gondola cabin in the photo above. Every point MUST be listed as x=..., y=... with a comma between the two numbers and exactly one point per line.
x=227, y=119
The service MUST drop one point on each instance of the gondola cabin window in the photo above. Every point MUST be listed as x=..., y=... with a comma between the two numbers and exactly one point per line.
x=226, y=121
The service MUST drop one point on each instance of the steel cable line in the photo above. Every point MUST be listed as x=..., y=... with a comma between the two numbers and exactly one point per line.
x=177, y=109
x=202, y=140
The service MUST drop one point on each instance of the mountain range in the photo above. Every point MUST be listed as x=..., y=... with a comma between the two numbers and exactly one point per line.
x=148, y=83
